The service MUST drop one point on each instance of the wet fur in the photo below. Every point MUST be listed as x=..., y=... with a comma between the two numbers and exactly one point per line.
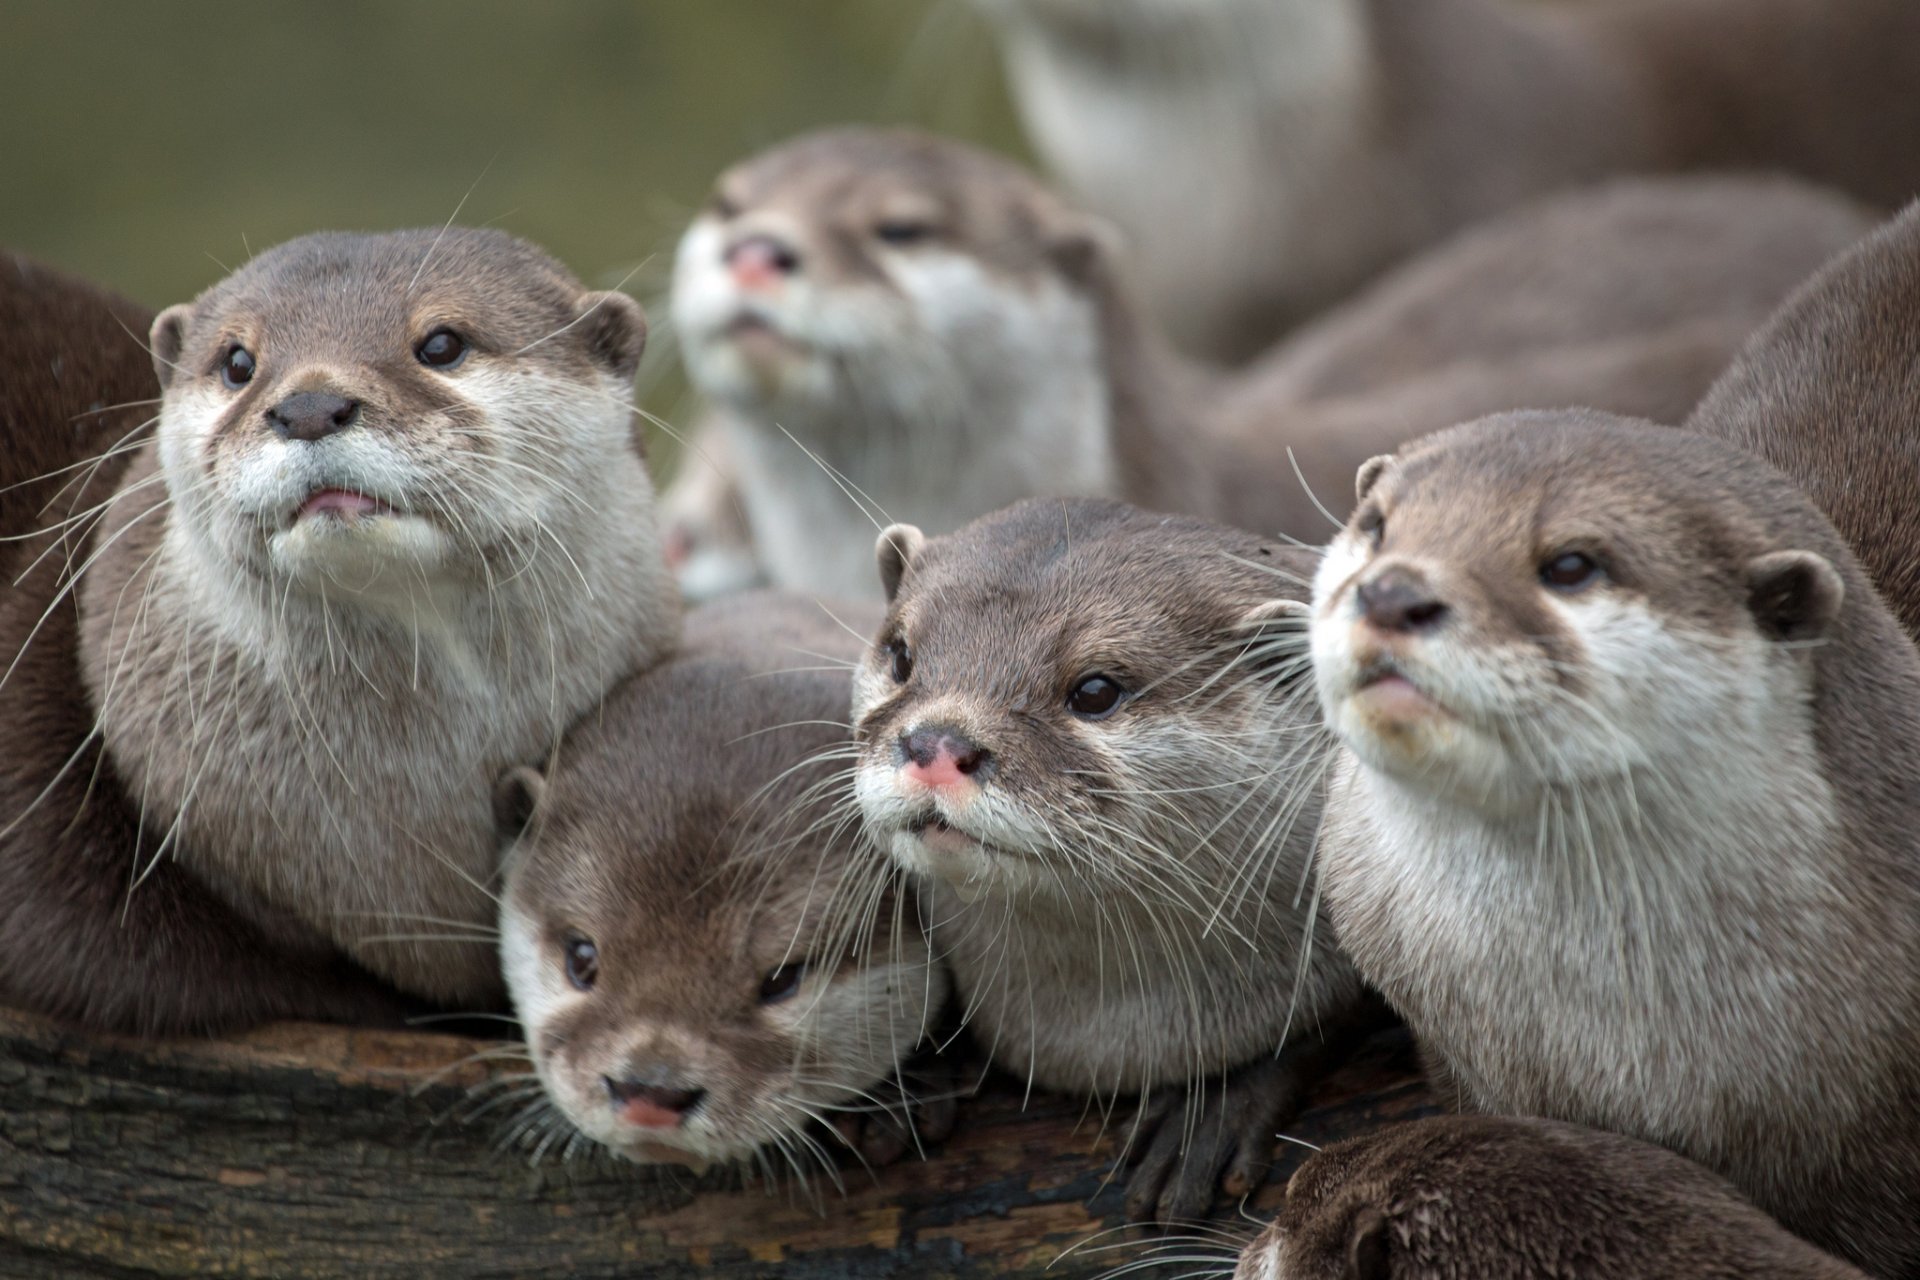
x=1659, y=876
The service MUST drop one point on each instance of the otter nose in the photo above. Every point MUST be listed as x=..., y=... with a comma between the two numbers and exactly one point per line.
x=649, y=1105
x=760, y=260
x=937, y=756
x=1398, y=599
x=312, y=415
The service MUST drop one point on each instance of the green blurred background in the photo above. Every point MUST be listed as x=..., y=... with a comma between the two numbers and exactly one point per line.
x=148, y=144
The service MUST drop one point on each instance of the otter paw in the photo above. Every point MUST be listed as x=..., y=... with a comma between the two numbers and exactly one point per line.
x=903, y=1118
x=1212, y=1135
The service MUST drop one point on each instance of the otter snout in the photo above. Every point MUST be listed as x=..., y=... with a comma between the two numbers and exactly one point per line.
x=1399, y=599
x=649, y=1104
x=942, y=756
x=759, y=259
x=312, y=415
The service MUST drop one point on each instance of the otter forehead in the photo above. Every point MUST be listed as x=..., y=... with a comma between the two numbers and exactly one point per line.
x=840, y=185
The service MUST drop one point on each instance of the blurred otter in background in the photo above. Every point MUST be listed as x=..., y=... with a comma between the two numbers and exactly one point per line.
x=1266, y=157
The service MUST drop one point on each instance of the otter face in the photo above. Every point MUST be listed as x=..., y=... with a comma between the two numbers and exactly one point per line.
x=394, y=409
x=1541, y=600
x=1075, y=697
x=883, y=275
x=692, y=976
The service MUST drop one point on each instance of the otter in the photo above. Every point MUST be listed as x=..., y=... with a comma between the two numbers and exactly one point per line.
x=1334, y=138
x=390, y=534
x=1623, y=817
x=1085, y=734
x=1826, y=391
x=893, y=325
x=703, y=959
x=1504, y=1199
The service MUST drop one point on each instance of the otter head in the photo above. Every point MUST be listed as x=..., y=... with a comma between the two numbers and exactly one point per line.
x=351, y=410
x=1075, y=697
x=1547, y=600
x=863, y=276
x=703, y=960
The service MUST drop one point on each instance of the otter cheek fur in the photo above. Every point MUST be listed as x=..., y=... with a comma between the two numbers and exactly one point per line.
x=1624, y=820
x=394, y=533
x=705, y=959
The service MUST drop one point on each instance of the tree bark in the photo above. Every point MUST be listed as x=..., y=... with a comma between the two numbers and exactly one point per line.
x=309, y=1151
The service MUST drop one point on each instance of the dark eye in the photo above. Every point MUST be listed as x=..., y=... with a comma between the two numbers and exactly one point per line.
x=237, y=369
x=1373, y=525
x=1095, y=697
x=783, y=982
x=899, y=660
x=723, y=208
x=583, y=962
x=903, y=231
x=442, y=349
x=1570, y=571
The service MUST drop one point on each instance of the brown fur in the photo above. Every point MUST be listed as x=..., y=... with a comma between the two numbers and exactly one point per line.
x=1327, y=162
x=1630, y=297
x=1828, y=392
x=690, y=830
x=1500, y=1199
x=74, y=942
x=1739, y=1014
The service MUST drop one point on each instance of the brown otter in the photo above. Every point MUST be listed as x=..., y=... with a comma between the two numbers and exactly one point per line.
x=1827, y=392
x=892, y=325
x=1502, y=1199
x=1266, y=157
x=1624, y=823
x=1084, y=733
x=705, y=961
x=390, y=533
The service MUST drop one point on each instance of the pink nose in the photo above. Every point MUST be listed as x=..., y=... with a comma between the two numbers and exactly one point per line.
x=758, y=262
x=940, y=757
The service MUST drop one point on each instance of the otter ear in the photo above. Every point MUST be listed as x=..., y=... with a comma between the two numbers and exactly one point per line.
x=516, y=798
x=1794, y=595
x=897, y=546
x=167, y=339
x=615, y=328
x=1370, y=471
x=1082, y=246
x=1276, y=634
x=1367, y=1246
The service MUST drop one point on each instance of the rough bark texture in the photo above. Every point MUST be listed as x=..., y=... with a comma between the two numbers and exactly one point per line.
x=305, y=1151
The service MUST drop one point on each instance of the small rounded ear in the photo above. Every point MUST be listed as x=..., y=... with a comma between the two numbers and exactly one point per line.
x=1276, y=633
x=167, y=339
x=895, y=550
x=1370, y=471
x=1367, y=1246
x=1794, y=595
x=615, y=328
x=516, y=798
x=1081, y=246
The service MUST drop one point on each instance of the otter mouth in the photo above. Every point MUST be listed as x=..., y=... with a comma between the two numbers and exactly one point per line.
x=346, y=505
x=941, y=836
x=757, y=336
x=1388, y=692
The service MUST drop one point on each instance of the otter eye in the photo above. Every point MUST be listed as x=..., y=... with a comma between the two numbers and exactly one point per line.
x=899, y=660
x=902, y=231
x=782, y=983
x=1570, y=571
x=236, y=369
x=1373, y=525
x=1095, y=697
x=583, y=961
x=441, y=349
x=722, y=208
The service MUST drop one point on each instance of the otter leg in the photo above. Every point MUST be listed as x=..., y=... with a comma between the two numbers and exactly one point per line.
x=1215, y=1134
x=911, y=1111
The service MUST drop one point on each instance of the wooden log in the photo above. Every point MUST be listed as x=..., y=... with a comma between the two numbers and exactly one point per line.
x=308, y=1151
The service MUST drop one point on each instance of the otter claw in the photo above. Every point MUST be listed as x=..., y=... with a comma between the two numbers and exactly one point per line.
x=1213, y=1136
